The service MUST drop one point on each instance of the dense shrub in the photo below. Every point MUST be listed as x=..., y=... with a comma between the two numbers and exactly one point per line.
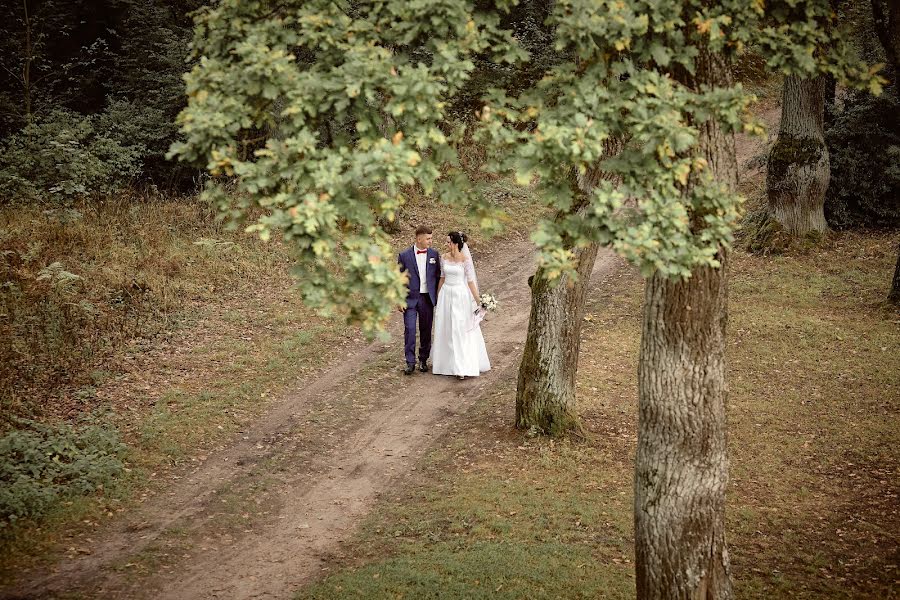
x=67, y=155
x=864, y=146
x=41, y=465
x=80, y=53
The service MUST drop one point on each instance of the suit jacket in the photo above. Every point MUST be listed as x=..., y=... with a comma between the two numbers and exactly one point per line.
x=408, y=264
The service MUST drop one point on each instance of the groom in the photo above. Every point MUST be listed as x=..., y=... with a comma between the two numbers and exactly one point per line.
x=424, y=267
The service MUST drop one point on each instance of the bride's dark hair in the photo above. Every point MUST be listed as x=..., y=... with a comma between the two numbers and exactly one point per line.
x=458, y=238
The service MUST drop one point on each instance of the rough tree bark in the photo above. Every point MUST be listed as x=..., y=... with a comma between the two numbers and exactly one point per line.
x=681, y=466
x=545, y=394
x=798, y=168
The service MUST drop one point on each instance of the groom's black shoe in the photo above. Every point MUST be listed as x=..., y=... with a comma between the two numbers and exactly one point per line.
x=423, y=366
x=410, y=368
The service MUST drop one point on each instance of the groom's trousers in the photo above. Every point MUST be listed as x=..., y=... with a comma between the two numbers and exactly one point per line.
x=424, y=312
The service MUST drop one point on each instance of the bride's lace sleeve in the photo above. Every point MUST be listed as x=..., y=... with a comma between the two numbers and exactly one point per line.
x=469, y=268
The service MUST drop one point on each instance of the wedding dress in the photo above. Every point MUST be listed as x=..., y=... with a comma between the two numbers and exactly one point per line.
x=458, y=346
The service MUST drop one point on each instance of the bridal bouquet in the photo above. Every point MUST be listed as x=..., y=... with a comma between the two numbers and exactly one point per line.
x=486, y=303
x=489, y=302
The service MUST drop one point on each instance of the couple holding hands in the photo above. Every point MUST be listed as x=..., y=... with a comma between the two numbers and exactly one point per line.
x=443, y=291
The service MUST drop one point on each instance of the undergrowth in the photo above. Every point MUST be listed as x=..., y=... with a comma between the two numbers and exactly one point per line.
x=42, y=464
x=78, y=283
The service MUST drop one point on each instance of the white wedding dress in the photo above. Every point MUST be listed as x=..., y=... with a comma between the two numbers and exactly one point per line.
x=458, y=346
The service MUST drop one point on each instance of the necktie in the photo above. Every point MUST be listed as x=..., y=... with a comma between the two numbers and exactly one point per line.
x=421, y=251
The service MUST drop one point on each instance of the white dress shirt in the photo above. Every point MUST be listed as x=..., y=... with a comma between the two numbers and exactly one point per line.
x=421, y=261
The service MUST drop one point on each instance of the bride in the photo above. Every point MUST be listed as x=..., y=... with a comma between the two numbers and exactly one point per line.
x=458, y=344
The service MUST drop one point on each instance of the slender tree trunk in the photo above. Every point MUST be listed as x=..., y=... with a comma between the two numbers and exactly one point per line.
x=886, y=15
x=798, y=168
x=545, y=395
x=386, y=125
x=894, y=295
x=26, y=68
x=831, y=109
x=681, y=465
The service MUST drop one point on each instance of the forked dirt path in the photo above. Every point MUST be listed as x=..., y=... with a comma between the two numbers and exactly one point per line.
x=259, y=519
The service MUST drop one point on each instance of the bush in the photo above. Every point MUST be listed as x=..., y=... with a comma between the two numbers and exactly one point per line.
x=66, y=155
x=864, y=147
x=40, y=465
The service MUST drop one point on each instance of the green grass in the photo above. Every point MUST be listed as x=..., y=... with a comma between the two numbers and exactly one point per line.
x=501, y=570
x=813, y=407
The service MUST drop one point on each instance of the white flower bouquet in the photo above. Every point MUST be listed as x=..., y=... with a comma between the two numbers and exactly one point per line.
x=486, y=303
x=489, y=302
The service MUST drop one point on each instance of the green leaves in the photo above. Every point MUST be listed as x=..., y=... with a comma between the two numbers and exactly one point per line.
x=319, y=114
x=633, y=80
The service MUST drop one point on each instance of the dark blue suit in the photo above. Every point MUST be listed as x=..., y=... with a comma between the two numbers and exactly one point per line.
x=418, y=305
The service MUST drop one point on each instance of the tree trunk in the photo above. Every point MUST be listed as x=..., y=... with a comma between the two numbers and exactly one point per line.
x=386, y=126
x=887, y=26
x=798, y=167
x=681, y=465
x=886, y=15
x=26, y=68
x=894, y=295
x=545, y=394
x=831, y=109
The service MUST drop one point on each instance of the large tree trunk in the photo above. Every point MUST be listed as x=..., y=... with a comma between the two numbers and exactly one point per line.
x=545, y=395
x=798, y=168
x=681, y=465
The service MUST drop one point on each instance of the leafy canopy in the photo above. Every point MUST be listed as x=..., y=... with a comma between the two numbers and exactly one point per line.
x=350, y=100
x=351, y=96
x=631, y=77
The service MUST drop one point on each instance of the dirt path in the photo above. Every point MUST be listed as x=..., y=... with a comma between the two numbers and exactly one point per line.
x=259, y=519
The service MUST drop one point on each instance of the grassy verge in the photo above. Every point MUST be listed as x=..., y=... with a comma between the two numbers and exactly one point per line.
x=812, y=506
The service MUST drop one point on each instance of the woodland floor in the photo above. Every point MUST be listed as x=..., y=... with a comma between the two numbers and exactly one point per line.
x=347, y=479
